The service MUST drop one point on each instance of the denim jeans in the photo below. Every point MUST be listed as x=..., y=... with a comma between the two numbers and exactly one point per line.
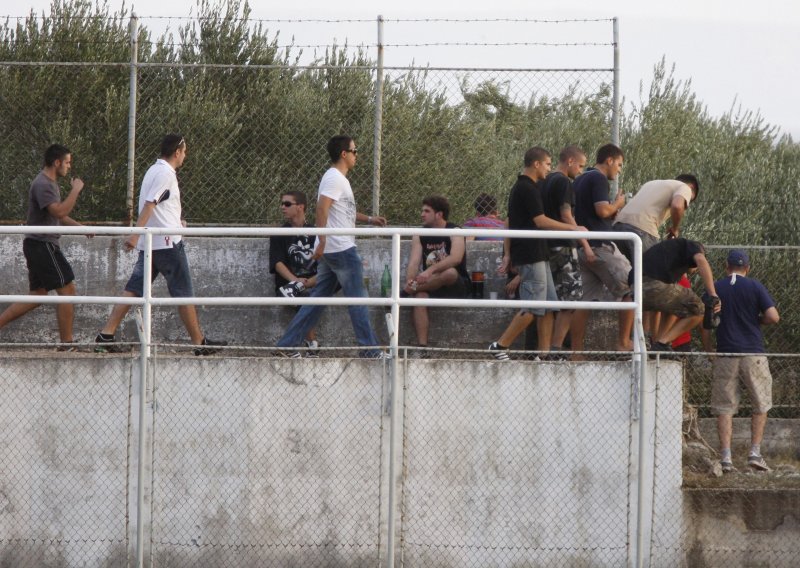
x=345, y=268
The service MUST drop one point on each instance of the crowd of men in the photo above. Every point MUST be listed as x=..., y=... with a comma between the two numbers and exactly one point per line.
x=566, y=199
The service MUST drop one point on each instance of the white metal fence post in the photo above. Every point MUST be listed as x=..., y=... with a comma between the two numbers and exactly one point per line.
x=376, y=144
x=134, y=31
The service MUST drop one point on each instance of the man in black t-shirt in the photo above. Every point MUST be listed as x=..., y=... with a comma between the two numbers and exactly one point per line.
x=290, y=256
x=608, y=274
x=559, y=201
x=437, y=266
x=662, y=267
x=530, y=256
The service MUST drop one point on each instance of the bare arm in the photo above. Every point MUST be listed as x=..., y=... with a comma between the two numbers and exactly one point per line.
x=676, y=211
x=144, y=217
x=704, y=269
x=567, y=217
x=457, y=247
x=321, y=221
x=770, y=317
x=370, y=220
x=606, y=210
x=414, y=260
x=63, y=208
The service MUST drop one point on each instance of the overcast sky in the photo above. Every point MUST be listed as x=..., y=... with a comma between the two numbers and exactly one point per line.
x=733, y=51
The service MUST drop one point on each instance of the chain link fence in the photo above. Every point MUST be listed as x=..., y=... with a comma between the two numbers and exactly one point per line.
x=256, y=130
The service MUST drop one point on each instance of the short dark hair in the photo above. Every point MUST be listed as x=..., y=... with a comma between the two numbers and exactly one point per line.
x=439, y=204
x=337, y=145
x=485, y=204
x=690, y=179
x=571, y=151
x=170, y=144
x=608, y=151
x=535, y=154
x=55, y=152
x=298, y=196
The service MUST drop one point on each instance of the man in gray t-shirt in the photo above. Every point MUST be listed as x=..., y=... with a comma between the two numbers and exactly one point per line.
x=47, y=268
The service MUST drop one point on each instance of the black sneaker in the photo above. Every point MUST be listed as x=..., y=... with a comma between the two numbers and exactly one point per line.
x=498, y=352
x=661, y=347
x=106, y=344
x=292, y=290
x=210, y=350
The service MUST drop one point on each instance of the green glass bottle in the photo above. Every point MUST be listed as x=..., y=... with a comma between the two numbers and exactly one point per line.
x=386, y=282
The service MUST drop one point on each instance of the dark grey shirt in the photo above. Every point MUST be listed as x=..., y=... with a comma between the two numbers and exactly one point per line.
x=43, y=192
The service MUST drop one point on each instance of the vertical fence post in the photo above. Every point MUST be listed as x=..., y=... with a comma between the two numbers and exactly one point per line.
x=144, y=360
x=376, y=143
x=134, y=31
x=615, y=101
x=395, y=406
x=615, y=92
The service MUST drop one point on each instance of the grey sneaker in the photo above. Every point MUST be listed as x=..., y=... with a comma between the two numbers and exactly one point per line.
x=292, y=290
x=498, y=352
x=758, y=463
x=727, y=467
x=313, y=349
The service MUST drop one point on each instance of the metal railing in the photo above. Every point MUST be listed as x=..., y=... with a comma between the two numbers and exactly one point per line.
x=643, y=391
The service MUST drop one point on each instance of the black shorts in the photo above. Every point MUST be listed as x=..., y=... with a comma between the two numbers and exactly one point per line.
x=456, y=290
x=47, y=267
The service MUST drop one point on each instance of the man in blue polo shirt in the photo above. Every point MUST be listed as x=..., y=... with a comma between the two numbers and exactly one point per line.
x=746, y=306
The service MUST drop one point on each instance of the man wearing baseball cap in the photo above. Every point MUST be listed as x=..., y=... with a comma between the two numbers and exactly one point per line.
x=746, y=306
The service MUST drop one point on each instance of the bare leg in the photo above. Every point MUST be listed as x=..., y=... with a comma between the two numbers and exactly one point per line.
x=518, y=324
x=191, y=323
x=681, y=326
x=757, y=424
x=561, y=327
x=117, y=315
x=65, y=313
x=578, y=331
x=421, y=323
x=16, y=311
x=544, y=330
x=725, y=430
x=625, y=324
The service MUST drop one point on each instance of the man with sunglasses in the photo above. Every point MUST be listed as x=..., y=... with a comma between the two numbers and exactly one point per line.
x=291, y=258
x=160, y=206
x=338, y=260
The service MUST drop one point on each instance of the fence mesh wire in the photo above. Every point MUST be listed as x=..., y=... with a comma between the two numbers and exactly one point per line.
x=279, y=462
x=65, y=461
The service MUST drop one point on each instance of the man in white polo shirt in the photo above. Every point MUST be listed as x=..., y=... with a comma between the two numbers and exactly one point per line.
x=160, y=206
x=338, y=259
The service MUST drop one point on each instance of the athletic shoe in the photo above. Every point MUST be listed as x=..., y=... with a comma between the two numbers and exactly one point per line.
x=499, y=353
x=727, y=467
x=67, y=347
x=661, y=347
x=106, y=344
x=203, y=351
x=313, y=349
x=758, y=463
x=293, y=289
x=374, y=354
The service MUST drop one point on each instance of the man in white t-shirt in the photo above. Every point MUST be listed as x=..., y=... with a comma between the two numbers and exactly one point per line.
x=160, y=206
x=338, y=260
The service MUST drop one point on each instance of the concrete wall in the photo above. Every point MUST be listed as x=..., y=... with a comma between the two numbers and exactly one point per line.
x=276, y=462
x=240, y=267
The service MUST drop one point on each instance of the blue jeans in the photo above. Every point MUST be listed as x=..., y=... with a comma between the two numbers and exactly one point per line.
x=345, y=268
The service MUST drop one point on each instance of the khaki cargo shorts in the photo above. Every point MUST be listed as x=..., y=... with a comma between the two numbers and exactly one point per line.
x=670, y=298
x=754, y=372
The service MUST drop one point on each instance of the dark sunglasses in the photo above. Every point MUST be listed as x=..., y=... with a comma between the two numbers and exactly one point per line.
x=353, y=151
x=287, y=203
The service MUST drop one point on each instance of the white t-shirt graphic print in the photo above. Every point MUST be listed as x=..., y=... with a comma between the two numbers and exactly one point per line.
x=342, y=213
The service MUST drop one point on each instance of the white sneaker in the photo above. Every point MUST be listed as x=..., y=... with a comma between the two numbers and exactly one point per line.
x=313, y=349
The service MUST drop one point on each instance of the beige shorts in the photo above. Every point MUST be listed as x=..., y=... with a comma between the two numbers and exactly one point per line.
x=608, y=274
x=725, y=391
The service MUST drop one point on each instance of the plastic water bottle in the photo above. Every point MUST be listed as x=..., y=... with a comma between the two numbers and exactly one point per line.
x=386, y=282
